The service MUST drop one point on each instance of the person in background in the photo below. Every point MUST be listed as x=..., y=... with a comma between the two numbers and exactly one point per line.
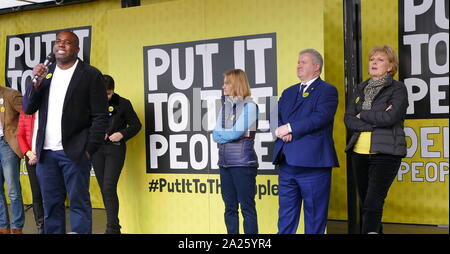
x=235, y=133
x=26, y=137
x=109, y=159
x=10, y=107
x=375, y=116
x=72, y=103
x=304, y=149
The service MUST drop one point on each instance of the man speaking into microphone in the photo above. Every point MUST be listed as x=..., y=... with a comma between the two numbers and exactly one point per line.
x=72, y=103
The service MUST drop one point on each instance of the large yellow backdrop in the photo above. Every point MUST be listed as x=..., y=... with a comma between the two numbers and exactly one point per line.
x=297, y=24
x=118, y=40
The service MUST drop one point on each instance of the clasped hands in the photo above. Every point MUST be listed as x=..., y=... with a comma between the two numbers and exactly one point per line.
x=283, y=132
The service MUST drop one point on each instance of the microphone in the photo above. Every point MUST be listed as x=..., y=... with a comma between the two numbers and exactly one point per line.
x=48, y=61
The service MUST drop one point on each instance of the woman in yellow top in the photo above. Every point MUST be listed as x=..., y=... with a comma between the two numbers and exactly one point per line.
x=375, y=117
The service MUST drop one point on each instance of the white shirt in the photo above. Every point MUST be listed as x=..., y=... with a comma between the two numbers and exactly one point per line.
x=35, y=129
x=308, y=83
x=57, y=94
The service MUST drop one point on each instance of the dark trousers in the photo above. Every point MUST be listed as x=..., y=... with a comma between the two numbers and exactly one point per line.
x=59, y=176
x=108, y=162
x=310, y=186
x=38, y=206
x=374, y=175
x=238, y=186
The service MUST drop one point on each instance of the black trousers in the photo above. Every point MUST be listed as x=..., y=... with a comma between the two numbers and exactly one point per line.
x=108, y=162
x=374, y=175
x=38, y=206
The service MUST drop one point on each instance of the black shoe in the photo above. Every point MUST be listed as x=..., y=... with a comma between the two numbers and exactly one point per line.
x=112, y=231
x=40, y=229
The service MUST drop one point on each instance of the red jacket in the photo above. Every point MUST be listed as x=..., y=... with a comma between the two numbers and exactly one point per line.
x=25, y=132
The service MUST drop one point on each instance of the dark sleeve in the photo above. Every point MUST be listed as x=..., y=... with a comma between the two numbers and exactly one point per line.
x=99, y=112
x=32, y=98
x=132, y=120
x=399, y=102
x=351, y=121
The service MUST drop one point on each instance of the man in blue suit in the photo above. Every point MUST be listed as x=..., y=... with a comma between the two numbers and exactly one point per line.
x=304, y=149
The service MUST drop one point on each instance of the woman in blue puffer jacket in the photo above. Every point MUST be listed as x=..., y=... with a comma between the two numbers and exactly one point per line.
x=235, y=133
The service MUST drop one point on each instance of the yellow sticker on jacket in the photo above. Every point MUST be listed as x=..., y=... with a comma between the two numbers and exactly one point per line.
x=305, y=95
x=49, y=76
x=110, y=108
x=2, y=109
x=357, y=99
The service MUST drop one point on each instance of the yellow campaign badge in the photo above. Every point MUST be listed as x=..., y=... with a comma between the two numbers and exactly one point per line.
x=357, y=99
x=305, y=95
x=2, y=109
x=110, y=108
x=49, y=76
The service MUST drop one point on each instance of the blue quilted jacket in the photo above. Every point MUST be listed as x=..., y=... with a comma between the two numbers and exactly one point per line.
x=235, y=133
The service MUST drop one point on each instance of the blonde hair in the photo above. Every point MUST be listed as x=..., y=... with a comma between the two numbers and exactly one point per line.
x=391, y=55
x=239, y=83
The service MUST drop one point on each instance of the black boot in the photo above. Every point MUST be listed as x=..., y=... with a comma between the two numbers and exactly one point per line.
x=113, y=230
x=38, y=211
x=40, y=228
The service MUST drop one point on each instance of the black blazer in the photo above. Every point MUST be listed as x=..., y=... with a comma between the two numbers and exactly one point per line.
x=84, y=118
x=122, y=118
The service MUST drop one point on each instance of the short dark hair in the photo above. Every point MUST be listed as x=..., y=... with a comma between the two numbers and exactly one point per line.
x=75, y=36
x=109, y=82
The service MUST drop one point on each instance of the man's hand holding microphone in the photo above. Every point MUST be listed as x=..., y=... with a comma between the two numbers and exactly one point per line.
x=41, y=70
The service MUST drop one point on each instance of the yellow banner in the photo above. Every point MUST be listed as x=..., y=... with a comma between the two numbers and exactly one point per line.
x=419, y=193
x=191, y=203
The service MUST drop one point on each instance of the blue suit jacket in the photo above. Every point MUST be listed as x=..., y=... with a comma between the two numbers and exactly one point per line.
x=311, y=119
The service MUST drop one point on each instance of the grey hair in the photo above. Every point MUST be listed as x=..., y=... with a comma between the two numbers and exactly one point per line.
x=316, y=57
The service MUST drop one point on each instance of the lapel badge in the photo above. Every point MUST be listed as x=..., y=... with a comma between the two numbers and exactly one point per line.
x=2, y=109
x=357, y=99
x=305, y=95
x=49, y=76
x=110, y=108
